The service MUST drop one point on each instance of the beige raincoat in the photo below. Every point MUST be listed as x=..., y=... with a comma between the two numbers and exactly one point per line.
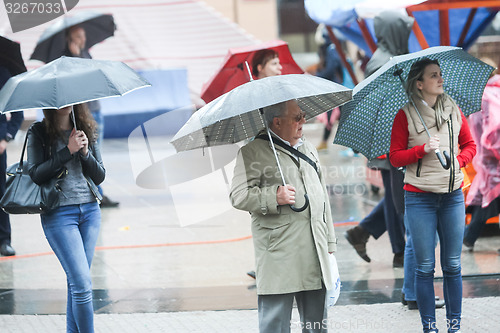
x=291, y=248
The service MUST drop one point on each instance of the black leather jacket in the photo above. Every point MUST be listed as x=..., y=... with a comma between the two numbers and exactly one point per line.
x=44, y=162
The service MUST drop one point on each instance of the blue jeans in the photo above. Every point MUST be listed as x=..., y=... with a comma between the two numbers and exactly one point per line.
x=409, y=267
x=426, y=213
x=72, y=234
x=384, y=217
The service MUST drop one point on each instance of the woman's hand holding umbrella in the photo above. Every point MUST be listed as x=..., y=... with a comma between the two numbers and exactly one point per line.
x=432, y=144
x=78, y=141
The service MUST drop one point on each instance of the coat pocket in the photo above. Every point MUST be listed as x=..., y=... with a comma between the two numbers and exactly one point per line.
x=275, y=228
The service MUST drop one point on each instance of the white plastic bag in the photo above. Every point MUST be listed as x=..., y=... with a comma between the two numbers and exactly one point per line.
x=333, y=295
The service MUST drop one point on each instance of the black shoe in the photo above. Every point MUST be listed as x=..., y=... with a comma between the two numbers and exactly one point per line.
x=399, y=260
x=251, y=274
x=106, y=202
x=403, y=301
x=468, y=247
x=7, y=250
x=412, y=305
x=358, y=238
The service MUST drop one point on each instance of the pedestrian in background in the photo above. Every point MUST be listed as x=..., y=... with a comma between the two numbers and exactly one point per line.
x=433, y=196
x=76, y=39
x=8, y=129
x=392, y=30
x=330, y=68
x=483, y=198
x=266, y=63
x=291, y=248
x=55, y=146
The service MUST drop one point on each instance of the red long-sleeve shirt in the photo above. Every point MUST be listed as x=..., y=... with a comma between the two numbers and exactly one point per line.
x=400, y=155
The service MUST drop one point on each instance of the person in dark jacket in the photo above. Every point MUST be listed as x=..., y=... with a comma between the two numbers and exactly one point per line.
x=392, y=30
x=75, y=47
x=58, y=146
x=8, y=130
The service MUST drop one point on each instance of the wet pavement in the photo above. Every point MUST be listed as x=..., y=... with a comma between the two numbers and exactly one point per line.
x=174, y=254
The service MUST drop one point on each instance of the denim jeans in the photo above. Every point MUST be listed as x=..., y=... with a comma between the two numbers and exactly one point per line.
x=72, y=234
x=384, y=217
x=426, y=213
x=409, y=267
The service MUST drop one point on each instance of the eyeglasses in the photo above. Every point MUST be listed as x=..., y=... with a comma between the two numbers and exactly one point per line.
x=298, y=118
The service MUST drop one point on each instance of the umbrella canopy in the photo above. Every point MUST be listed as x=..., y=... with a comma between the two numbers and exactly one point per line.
x=52, y=43
x=234, y=73
x=366, y=121
x=235, y=116
x=67, y=81
x=10, y=56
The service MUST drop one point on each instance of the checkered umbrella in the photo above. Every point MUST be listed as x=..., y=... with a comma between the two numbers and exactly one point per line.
x=236, y=115
x=366, y=121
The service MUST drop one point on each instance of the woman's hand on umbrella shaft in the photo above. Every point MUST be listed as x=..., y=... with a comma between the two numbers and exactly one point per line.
x=285, y=195
x=432, y=144
x=78, y=142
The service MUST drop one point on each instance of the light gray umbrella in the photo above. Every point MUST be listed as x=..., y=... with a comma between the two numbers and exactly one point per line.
x=68, y=81
x=238, y=114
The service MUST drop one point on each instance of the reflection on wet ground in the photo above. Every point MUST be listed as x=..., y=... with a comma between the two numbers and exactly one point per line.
x=152, y=257
x=50, y=301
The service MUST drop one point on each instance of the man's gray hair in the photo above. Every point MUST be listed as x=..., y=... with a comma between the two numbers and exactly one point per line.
x=273, y=111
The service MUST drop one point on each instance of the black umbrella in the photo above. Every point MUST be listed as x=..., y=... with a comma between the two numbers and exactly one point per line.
x=52, y=43
x=10, y=56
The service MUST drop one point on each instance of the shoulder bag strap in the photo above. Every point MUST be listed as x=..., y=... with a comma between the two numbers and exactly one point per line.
x=291, y=150
x=21, y=162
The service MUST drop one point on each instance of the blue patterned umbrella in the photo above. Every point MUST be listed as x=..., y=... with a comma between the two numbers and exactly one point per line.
x=366, y=121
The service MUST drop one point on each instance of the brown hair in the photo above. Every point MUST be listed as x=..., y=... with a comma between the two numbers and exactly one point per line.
x=261, y=57
x=84, y=122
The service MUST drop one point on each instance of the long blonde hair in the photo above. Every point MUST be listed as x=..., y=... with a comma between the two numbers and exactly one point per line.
x=416, y=74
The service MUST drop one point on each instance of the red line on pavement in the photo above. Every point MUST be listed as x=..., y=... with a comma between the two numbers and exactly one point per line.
x=138, y=246
x=341, y=224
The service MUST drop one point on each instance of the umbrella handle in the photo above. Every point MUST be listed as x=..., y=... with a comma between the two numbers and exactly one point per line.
x=445, y=161
x=298, y=210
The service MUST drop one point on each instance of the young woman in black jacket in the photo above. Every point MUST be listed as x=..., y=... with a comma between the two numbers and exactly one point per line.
x=57, y=146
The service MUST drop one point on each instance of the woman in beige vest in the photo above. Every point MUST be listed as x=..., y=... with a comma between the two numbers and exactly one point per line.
x=433, y=195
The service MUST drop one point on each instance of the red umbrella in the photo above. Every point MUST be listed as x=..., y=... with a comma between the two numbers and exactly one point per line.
x=234, y=73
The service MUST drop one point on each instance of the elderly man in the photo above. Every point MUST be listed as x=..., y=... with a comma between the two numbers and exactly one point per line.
x=291, y=248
